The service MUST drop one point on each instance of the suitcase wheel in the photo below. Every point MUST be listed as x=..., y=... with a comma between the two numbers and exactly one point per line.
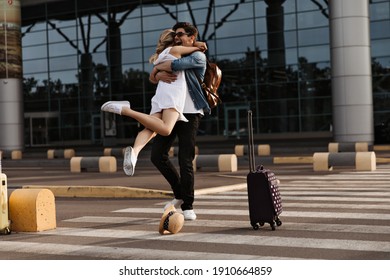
x=6, y=231
x=278, y=222
x=261, y=224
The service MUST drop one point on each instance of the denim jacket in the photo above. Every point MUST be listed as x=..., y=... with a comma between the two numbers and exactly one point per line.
x=191, y=64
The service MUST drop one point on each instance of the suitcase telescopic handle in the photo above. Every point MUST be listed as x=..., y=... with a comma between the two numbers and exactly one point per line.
x=251, y=148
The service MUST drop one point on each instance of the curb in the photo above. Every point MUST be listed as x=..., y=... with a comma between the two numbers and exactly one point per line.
x=123, y=192
x=102, y=191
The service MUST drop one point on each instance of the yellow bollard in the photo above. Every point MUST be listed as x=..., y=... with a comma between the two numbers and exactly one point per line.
x=32, y=210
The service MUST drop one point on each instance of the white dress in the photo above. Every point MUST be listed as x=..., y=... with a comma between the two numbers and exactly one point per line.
x=170, y=95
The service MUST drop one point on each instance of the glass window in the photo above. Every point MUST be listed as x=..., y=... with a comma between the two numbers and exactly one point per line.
x=295, y=96
x=312, y=19
x=236, y=28
x=237, y=11
x=380, y=11
x=34, y=38
x=380, y=29
x=35, y=66
x=315, y=53
x=315, y=36
x=63, y=63
x=61, y=49
x=310, y=5
x=380, y=47
x=235, y=45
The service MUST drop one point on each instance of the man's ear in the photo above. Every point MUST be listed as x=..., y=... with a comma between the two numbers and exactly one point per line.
x=193, y=39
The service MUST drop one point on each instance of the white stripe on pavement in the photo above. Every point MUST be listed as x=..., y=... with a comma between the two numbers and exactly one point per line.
x=323, y=227
x=103, y=252
x=252, y=240
x=286, y=197
x=237, y=212
x=302, y=205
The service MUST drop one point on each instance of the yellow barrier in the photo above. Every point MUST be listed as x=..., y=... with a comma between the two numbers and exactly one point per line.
x=32, y=210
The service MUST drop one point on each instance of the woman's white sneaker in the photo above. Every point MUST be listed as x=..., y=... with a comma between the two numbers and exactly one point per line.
x=129, y=161
x=115, y=106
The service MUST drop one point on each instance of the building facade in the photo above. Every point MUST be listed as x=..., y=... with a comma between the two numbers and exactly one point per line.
x=276, y=57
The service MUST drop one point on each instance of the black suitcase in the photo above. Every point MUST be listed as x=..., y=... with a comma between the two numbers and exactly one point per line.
x=265, y=203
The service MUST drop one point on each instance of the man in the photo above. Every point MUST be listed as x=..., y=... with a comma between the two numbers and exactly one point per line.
x=196, y=105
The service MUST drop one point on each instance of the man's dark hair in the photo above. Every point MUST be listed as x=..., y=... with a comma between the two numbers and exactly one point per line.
x=188, y=27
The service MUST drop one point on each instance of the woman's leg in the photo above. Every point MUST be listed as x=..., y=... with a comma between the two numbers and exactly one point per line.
x=143, y=138
x=168, y=119
x=162, y=126
x=131, y=153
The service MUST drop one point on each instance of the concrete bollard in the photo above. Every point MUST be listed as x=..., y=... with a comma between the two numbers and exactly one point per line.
x=60, y=153
x=104, y=164
x=222, y=163
x=348, y=147
x=15, y=154
x=260, y=150
x=32, y=210
x=381, y=148
x=116, y=152
x=362, y=161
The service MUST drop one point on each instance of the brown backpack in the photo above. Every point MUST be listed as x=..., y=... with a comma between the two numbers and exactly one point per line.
x=210, y=84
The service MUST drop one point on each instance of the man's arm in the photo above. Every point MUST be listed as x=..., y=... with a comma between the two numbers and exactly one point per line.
x=164, y=76
x=195, y=60
x=164, y=66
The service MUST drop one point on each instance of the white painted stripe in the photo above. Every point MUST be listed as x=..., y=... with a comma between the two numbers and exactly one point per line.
x=253, y=240
x=237, y=212
x=334, y=177
x=338, y=193
x=334, y=199
x=313, y=189
x=116, y=252
x=286, y=205
x=335, y=189
x=286, y=197
x=338, y=185
x=323, y=227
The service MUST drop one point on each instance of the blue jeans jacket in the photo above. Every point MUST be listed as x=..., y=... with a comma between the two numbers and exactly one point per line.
x=193, y=64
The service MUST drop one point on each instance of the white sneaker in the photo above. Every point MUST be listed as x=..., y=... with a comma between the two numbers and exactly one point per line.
x=175, y=202
x=189, y=215
x=115, y=106
x=129, y=161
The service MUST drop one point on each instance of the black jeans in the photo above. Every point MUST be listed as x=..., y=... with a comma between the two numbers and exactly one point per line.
x=182, y=185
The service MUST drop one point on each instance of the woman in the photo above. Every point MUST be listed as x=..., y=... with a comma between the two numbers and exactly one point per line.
x=167, y=103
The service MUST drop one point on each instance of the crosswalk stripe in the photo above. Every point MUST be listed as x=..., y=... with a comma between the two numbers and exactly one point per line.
x=340, y=193
x=304, y=205
x=104, y=252
x=237, y=212
x=325, y=227
x=340, y=186
x=253, y=240
x=286, y=197
x=355, y=204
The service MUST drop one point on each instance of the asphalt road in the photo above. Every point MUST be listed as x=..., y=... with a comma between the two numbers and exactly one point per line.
x=337, y=215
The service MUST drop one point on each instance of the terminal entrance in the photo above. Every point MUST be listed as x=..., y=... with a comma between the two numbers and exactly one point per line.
x=41, y=128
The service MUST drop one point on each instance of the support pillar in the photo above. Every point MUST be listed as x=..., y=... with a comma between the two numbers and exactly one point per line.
x=351, y=71
x=11, y=93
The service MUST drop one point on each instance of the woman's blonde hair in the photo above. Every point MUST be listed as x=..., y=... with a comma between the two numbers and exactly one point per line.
x=167, y=39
